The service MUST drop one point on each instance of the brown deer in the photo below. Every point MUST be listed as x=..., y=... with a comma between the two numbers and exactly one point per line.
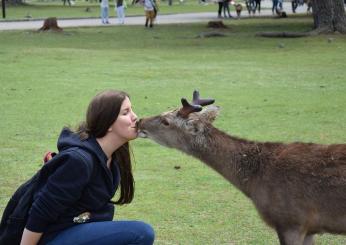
x=299, y=189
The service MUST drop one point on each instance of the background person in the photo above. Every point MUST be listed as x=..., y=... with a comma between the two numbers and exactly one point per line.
x=226, y=9
x=104, y=11
x=220, y=7
x=150, y=10
x=120, y=11
x=275, y=5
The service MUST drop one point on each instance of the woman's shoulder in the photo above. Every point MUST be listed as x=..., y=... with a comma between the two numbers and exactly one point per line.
x=72, y=159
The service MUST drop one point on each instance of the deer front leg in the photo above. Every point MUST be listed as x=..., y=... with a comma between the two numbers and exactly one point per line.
x=309, y=240
x=290, y=236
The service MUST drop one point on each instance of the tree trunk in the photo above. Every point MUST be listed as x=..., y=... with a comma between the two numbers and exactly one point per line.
x=50, y=24
x=329, y=16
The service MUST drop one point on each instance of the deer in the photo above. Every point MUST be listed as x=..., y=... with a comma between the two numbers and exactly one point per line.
x=298, y=189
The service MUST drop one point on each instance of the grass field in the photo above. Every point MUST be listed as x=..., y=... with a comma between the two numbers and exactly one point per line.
x=268, y=90
x=42, y=9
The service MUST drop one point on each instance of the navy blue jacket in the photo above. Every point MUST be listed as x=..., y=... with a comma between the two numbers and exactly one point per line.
x=75, y=187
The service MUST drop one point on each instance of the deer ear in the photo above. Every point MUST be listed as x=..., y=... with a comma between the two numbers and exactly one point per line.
x=210, y=113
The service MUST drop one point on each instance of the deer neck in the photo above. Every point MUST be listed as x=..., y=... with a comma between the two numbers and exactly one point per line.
x=236, y=159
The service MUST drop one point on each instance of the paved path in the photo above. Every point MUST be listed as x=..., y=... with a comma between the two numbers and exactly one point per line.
x=139, y=20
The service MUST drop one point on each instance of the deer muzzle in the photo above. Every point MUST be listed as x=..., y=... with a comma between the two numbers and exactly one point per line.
x=141, y=132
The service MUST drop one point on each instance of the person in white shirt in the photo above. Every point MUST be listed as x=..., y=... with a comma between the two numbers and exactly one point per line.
x=104, y=11
x=150, y=12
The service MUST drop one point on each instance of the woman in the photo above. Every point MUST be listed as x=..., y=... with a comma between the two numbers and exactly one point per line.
x=74, y=207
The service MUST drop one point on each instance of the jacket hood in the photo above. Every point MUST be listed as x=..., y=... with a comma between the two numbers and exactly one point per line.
x=68, y=139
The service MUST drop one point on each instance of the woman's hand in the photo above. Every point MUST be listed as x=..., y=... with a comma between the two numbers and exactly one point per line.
x=30, y=237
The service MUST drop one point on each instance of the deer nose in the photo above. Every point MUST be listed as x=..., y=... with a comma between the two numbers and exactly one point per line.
x=138, y=122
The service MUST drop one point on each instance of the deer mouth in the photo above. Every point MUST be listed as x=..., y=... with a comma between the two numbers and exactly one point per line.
x=140, y=132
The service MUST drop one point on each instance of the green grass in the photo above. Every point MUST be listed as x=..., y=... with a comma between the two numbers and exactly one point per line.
x=267, y=93
x=39, y=9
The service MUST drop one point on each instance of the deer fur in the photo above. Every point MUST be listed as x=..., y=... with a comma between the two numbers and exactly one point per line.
x=299, y=189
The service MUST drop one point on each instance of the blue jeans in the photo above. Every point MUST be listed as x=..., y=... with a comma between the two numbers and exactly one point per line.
x=106, y=233
x=121, y=14
x=275, y=5
x=104, y=15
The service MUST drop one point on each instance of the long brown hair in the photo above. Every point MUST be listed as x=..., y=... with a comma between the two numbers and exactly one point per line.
x=102, y=112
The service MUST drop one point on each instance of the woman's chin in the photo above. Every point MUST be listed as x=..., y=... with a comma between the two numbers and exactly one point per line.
x=133, y=136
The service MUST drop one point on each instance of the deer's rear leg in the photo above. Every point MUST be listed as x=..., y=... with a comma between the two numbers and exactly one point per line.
x=291, y=237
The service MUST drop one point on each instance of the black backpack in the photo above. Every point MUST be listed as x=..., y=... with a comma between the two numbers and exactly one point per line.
x=16, y=213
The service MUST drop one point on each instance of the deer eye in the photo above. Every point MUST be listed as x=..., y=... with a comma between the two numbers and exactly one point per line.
x=164, y=122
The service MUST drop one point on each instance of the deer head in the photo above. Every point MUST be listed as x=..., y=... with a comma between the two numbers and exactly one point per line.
x=181, y=127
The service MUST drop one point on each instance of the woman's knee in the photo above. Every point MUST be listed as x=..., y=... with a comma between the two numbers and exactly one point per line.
x=146, y=233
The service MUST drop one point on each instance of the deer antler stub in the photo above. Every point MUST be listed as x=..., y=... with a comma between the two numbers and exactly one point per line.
x=198, y=101
x=197, y=104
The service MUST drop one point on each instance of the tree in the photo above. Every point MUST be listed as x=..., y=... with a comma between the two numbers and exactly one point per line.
x=329, y=16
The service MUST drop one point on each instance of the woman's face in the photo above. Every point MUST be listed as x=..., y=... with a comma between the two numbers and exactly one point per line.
x=125, y=125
